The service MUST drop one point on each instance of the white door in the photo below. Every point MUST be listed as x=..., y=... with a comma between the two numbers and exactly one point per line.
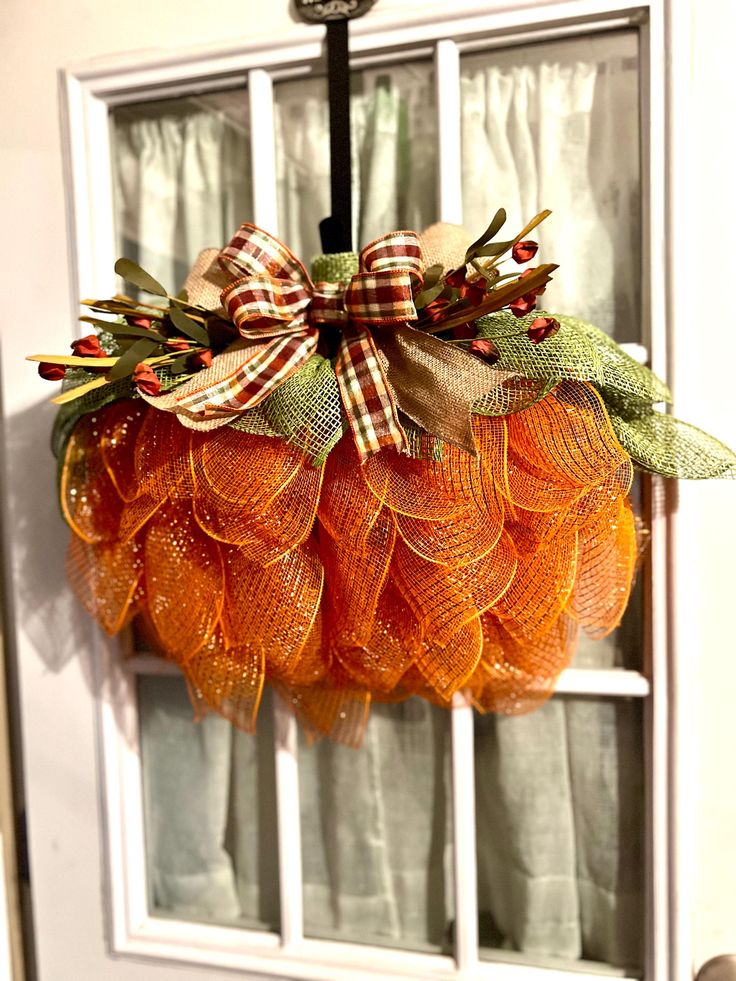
x=113, y=897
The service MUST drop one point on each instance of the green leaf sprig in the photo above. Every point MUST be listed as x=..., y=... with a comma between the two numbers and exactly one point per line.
x=461, y=296
x=150, y=334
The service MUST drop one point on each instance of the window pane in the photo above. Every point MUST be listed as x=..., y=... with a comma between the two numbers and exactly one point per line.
x=556, y=125
x=560, y=815
x=209, y=804
x=394, y=158
x=376, y=832
x=181, y=172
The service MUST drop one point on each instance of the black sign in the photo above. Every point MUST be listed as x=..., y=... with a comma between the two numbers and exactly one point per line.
x=321, y=11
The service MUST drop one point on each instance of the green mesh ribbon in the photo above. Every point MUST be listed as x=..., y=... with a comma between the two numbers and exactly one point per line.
x=672, y=448
x=336, y=267
x=307, y=411
x=578, y=351
x=570, y=353
x=624, y=379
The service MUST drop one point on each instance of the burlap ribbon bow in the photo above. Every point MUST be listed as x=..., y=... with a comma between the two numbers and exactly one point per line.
x=383, y=364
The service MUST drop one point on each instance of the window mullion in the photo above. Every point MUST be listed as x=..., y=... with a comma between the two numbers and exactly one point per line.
x=449, y=162
x=288, y=825
x=463, y=811
x=450, y=208
x=263, y=150
x=265, y=214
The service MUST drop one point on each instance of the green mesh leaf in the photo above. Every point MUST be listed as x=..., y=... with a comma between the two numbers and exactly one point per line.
x=254, y=422
x=624, y=379
x=513, y=395
x=305, y=410
x=569, y=354
x=672, y=448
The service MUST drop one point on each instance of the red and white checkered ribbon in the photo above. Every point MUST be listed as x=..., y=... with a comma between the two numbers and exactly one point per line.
x=273, y=297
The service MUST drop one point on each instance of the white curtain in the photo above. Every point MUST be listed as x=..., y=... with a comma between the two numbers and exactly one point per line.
x=393, y=159
x=182, y=179
x=556, y=126
x=559, y=792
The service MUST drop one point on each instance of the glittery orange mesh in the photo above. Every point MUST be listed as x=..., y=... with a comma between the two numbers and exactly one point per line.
x=184, y=581
x=119, y=430
x=607, y=554
x=89, y=500
x=514, y=677
x=344, y=583
x=391, y=647
x=227, y=679
x=257, y=596
x=105, y=577
x=355, y=575
x=268, y=531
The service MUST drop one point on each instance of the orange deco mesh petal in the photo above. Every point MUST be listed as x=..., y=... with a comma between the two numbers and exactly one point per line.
x=348, y=507
x=355, y=577
x=341, y=583
x=272, y=608
x=433, y=489
x=104, y=578
x=466, y=537
x=184, y=581
x=394, y=642
x=514, y=677
x=607, y=559
x=119, y=431
x=246, y=470
x=227, y=679
x=331, y=710
x=269, y=530
x=89, y=500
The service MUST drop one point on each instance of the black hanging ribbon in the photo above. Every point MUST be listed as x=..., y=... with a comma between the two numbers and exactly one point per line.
x=336, y=231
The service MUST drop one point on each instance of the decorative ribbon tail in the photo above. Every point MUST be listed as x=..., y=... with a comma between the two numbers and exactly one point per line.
x=366, y=395
x=254, y=379
x=435, y=383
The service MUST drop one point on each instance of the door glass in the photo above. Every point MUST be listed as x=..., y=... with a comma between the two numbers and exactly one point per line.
x=560, y=815
x=377, y=830
x=209, y=800
x=181, y=171
x=394, y=154
x=556, y=125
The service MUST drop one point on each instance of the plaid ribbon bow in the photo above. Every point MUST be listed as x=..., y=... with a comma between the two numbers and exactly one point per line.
x=273, y=300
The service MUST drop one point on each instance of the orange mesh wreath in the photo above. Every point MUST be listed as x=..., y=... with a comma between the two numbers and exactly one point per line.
x=344, y=583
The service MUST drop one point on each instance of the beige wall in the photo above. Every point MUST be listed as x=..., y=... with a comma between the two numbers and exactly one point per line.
x=39, y=36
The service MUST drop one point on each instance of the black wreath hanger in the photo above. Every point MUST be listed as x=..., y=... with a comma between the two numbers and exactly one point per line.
x=336, y=230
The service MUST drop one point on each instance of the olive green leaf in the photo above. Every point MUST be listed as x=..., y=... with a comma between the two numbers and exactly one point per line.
x=190, y=327
x=132, y=273
x=498, y=221
x=125, y=364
